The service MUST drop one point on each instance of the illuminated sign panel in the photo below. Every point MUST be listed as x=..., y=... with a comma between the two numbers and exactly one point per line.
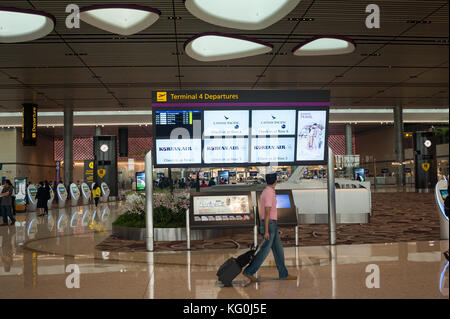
x=29, y=124
x=242, y=128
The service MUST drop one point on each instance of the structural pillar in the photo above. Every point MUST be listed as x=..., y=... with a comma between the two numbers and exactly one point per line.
x=68, y=147
x=98, y=131
x=399, y=151
x=349, y=146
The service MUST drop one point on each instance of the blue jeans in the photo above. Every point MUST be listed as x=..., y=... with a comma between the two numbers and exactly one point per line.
x=6, y=212
x=273, y=243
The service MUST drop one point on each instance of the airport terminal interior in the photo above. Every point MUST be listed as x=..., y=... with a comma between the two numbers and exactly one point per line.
x=137, y=139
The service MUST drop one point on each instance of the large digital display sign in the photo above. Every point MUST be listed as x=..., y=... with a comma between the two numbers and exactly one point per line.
x=286, y=127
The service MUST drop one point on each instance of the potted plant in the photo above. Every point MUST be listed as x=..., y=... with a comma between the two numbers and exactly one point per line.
x=169, y=216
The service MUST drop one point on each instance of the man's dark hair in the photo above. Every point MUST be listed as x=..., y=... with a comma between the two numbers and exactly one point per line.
x=271, y=178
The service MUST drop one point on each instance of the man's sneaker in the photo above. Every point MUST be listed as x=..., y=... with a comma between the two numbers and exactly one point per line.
x=290, y=277
x=252, y=278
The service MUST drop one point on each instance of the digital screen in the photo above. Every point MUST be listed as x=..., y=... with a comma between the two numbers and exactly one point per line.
x=232, y=174
x=311, y=134
x=253, y=174
x=267, y=150
x=140, y=181
x=283, y=201
x=226, y=123
x=170, y=123
x=384, y=171
x=181, y=151
x=444, y=193
x=259, y=135
x=273, y=122
x=225, y=150
x=360, y=174
x=224, y=177
x=221, y=205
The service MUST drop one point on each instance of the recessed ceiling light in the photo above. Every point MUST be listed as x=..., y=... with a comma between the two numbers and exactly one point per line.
x=325, y=45
x=241, y=14
x=120, y=19
x=22, y=25
x=207, y=47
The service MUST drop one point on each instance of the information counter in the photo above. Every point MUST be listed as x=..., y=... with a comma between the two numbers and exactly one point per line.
x=62, y=195
x=86, y=193
x=352, y=206
x=74, y=194
x=31, y=195
x=441, y=193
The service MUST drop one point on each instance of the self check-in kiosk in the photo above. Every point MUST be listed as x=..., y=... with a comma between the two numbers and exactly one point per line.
x=31, y=195
x=62, y=195
x=52, y=197
x=441, y=193
x=86, y=193
x=286, y=211
x=105, y=192
x=74, y=194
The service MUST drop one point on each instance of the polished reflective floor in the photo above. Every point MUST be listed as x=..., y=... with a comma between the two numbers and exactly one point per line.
x=40, y=257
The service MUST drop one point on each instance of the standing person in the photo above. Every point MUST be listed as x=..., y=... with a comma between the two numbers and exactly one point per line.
x=42, y=196
x=47, y=195
x=6, y=202
x=268, y=227
x=13, y=201
x=96, y=192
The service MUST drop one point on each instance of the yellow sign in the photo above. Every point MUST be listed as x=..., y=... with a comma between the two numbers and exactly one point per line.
x=91, y=165
x=101, y=173
x=161, y=96
x=426, y=166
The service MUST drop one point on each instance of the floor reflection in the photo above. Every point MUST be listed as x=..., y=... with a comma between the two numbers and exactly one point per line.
x=36, y=252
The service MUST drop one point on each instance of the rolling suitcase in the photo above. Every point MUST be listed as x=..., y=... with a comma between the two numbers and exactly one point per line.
x=233, y=267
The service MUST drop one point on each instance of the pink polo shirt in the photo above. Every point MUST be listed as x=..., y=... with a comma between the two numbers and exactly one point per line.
x=268, y=199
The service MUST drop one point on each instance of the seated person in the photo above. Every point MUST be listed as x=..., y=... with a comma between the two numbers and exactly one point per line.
x=203, y=184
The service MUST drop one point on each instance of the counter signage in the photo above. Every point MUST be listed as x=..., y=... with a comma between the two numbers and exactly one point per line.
x=140, y=181
x=216, y=210
x=29, y=124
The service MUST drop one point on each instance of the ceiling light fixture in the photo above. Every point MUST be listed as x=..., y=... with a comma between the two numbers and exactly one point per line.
x=211, y=46
x=325, y=45
x=22, y=25
x=238, y=14
x=120, y=19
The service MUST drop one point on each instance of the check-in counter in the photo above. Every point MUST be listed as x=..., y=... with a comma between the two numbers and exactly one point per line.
x=352, y=206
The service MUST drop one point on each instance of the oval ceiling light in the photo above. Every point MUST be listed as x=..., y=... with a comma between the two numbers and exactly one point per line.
x=120, y=19
x=241, y=14
x=211, y=46
x=325, y=45
x=22, y=25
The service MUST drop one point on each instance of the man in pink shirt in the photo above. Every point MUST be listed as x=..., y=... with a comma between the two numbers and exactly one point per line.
x=269, y=228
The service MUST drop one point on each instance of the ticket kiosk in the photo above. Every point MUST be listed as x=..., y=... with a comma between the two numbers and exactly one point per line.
x=74, y=194
x=31, y=195
x=62, y=195
x=105, y=193
x=52, y=197
x=441, y=193
x=86, y=193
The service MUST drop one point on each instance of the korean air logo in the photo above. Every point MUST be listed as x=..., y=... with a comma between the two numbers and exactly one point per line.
x=270, y=147
x=223, y=148
x=236, y=126
x=175, y=149
x=283, y=126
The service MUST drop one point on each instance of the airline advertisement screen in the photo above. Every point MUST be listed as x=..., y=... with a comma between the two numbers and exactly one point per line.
x=311, y=135
x=226, y=123
x=273, y=122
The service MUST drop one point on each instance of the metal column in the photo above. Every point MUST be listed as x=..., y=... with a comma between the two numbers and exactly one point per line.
x=349, y=146
x=149, y=201
x=68, y=147
x=331, y=198
x=399, y=151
